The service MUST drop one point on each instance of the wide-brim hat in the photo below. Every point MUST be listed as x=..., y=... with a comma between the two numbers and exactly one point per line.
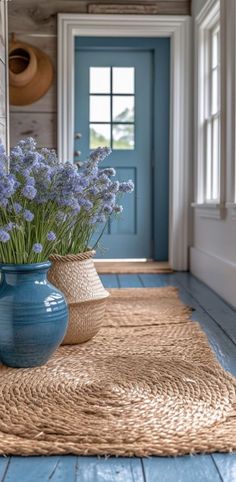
x=30, y=73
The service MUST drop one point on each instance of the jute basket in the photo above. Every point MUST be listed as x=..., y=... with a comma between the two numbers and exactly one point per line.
x=77, y=278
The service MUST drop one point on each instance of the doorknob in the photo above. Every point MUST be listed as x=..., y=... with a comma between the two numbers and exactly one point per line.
x=78, y=135
x=77, y=153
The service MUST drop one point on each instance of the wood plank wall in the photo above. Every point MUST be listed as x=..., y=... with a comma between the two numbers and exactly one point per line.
x=34, y=21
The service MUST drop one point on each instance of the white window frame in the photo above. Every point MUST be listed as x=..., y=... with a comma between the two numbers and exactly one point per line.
x=178, y=29
x=210, y=118
x=207, y=19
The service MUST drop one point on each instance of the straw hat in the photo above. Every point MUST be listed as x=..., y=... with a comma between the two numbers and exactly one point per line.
x=30, y=73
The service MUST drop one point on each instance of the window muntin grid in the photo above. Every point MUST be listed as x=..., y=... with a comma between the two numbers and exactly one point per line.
x=112, y=107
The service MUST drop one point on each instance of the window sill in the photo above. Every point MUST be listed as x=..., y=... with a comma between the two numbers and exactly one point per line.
x=232, y=208
x=210, y=210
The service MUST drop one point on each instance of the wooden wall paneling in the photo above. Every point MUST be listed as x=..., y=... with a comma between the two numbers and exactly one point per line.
x=155, y=8
x=35, y=17
x=40, y=125
x=40, y=17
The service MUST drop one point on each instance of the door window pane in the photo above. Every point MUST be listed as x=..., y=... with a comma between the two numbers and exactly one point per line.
x=123, y=80
x=123, y=108
x=99, y=135
x=123, y=136
x=109, y=110
x=100, y=108
x=100, y=80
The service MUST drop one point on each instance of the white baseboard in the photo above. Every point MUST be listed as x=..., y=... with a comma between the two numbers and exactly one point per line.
x=218, y=273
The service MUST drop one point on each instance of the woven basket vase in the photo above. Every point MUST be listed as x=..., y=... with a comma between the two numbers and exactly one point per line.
x=77, y=278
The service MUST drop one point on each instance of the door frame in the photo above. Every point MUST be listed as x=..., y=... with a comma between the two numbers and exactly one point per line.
x=178, y=29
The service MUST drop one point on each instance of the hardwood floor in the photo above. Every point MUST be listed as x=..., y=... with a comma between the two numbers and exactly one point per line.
x=218, y=320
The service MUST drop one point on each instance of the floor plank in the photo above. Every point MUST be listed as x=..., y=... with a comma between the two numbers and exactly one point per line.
x=195, y=468
x=222, y=313
x=221, y=343
x=226, y=464
x=4, y=464
x=154, y=280
x=129, y=281
x=110, y=280
x=41, y=469
x=94, y=469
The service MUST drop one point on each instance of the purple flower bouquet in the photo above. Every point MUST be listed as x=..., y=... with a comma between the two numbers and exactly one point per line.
x=48, y=207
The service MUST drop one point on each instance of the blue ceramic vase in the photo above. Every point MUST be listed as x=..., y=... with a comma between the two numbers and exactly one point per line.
x=33, y=315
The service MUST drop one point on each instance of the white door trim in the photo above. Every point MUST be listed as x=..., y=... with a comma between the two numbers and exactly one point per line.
x=178, y=28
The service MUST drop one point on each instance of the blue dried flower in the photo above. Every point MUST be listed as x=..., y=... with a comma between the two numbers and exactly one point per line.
x=4, y=236
x=51, y=236
x=109, y=197
x=109, y=171
x=17, y=207
x=99, y=154
x=29, y=191
x=3, y=203
x=10, y=226
x=30, y=181
x=7, y=187
x=114, y=187
x=83, y=182
x=28, y=144
x=37, y=248
x=126, y=186
x=50, y=156
x=104, y=180
x=28, y=215
x=85, y=203
x=107, y=208
x=94, y=190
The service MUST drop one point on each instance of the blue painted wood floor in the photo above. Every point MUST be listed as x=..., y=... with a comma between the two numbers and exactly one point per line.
x=219, y=322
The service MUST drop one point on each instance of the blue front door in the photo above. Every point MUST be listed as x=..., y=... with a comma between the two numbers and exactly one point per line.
x=114, y=107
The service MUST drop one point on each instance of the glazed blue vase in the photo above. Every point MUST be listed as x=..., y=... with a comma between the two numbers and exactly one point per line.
x=33, y=315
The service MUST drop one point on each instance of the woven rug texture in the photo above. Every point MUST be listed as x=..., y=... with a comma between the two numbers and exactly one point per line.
x=149, y=267
x=147, y=384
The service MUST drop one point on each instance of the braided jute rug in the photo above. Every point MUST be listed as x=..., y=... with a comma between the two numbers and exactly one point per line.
x=132, y=267
x=147, y=384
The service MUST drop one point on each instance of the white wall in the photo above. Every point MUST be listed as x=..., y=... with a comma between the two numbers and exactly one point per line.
x=213, y=252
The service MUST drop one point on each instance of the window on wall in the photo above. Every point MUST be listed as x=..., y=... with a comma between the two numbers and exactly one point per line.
x=208, y=106
x=112, y=107
x=212, y=115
